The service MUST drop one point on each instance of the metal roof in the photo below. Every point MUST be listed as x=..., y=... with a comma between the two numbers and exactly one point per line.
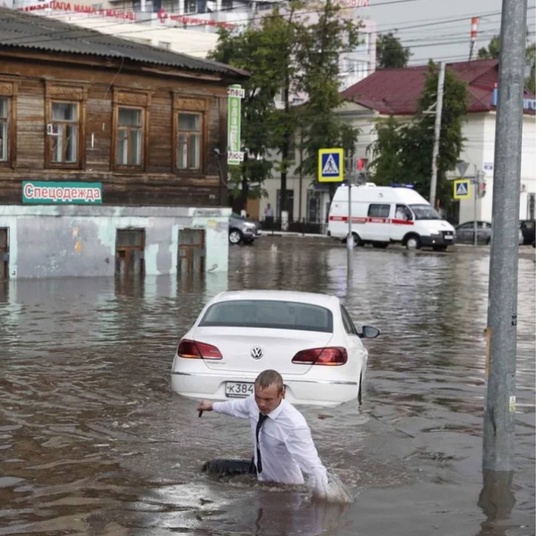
x=22, y=30
x=396, y=91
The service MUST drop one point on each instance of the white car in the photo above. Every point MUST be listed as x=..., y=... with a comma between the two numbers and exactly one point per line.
x=308, y=338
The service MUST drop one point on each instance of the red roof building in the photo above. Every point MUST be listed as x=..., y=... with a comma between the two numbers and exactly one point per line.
x=396, y=91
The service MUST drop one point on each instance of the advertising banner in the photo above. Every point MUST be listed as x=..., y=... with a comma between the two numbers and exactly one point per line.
x=61, y=193
x=235, y=155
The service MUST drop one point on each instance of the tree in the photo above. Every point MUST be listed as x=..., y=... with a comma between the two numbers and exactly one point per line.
x=530, y=55
x=492, y=51
x=289, y=55
x=403, y=151
x=390, y=52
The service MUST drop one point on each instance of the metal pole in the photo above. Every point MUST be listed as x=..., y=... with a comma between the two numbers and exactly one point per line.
x=350, y=239
x=475, y=229
x=500, y=402
x=438, y=115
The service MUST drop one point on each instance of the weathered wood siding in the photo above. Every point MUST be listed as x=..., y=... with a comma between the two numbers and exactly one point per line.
x=159, y=183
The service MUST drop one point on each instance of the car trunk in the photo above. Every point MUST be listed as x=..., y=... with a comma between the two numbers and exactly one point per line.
x=240, y=348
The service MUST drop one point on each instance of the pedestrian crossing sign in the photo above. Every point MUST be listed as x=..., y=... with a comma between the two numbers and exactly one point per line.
x=462, y=188
x=331, y=165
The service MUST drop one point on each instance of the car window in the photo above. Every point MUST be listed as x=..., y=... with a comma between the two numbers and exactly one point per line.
x=425, y=212
x=347, y=322
x=466, y=226
x=269, y=314
x=379, y=211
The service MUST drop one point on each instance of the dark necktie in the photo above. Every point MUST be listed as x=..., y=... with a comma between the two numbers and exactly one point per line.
x=262, y=418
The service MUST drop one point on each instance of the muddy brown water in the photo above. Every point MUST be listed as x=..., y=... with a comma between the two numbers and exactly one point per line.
x=93, y=442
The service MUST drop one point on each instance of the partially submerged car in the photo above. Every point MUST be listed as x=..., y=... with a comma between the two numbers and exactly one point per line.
x=308, y=337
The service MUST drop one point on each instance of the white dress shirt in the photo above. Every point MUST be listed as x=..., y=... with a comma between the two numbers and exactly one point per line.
x=287, y=449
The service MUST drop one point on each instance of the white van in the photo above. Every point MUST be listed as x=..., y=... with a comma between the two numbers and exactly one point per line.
x=384, y=214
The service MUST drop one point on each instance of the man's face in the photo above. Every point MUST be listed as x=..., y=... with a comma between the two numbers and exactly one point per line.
x=268, y=399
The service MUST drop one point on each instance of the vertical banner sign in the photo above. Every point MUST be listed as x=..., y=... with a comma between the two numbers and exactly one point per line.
x=235, y=156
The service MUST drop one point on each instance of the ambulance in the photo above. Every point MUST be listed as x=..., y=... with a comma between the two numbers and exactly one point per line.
x=382, y=215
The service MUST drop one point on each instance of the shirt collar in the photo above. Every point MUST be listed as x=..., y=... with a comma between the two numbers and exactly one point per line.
x=274, y=414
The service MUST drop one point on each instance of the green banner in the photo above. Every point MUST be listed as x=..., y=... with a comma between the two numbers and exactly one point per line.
x=235, y=155
x=61, y=193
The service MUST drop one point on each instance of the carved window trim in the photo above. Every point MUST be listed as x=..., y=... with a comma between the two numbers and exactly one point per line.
x=59, y=92
x=190, y=104
x=135, y=100
x=9, y=90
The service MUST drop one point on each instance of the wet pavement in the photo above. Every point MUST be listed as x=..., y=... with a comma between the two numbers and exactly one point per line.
x=93, y=442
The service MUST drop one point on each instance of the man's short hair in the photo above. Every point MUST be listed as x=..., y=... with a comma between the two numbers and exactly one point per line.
x=270, y=377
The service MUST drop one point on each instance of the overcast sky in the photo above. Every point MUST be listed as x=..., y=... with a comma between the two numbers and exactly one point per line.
x=440, y=29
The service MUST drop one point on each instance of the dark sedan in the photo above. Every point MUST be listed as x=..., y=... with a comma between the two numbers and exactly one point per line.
x=465, y=233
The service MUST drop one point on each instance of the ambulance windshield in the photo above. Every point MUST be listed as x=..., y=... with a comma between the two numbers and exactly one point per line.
x=425, y=212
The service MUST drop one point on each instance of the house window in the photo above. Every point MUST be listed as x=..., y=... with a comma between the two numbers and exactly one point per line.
x=63, y=133
x=4, y=129
x=189, y=140
x=129, y=137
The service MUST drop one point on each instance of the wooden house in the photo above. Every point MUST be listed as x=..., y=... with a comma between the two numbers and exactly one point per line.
x=88, y=118
x=78, y=105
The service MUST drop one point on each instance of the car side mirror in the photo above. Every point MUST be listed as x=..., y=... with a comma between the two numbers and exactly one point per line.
x=369, y=332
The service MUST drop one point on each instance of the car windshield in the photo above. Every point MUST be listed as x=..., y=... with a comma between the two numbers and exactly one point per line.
x=269, y=314
x=425, y=212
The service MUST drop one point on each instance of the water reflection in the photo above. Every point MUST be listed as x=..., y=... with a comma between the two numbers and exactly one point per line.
x=92, y=441
x=496, y=501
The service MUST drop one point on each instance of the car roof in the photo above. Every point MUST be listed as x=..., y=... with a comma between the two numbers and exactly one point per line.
x=313, y=298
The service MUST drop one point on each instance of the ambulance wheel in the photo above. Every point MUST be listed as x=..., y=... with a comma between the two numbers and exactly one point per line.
x=412, y=242
x=357, y=240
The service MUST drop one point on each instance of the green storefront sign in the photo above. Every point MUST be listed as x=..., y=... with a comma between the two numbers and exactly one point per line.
x=61, y=193
x=235, y=155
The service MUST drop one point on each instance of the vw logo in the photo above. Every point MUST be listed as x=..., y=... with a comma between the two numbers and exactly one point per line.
x=256, y=352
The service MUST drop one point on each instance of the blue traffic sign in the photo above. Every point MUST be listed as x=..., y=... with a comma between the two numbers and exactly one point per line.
x=331, y=165
x=462, y=189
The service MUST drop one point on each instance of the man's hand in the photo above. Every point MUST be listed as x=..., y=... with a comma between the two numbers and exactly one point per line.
x=205, y=405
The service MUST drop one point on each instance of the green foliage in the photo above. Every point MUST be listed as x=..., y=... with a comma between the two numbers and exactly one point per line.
x=530, y=55
x=391, y=53
x=289, y=55
x=403, y=150
x=492, y=51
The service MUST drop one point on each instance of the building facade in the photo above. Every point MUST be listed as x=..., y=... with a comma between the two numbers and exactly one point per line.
x=92, y=119
x=395, y=92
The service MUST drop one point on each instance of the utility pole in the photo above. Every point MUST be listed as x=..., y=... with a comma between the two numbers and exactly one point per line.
x=500, y=401
x=438, y=115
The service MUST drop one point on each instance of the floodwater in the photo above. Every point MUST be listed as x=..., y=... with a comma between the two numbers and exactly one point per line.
x=93, y=442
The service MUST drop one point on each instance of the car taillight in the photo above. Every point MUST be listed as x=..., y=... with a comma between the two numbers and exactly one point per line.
x=198, y=350
x=322, y=356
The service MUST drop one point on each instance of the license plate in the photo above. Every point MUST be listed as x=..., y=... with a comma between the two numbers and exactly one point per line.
x=448, y=237
x=238, y=389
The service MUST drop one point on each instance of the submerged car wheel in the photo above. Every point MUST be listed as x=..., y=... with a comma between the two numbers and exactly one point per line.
x=360, y=391
x=235, y=236
x=412, y=242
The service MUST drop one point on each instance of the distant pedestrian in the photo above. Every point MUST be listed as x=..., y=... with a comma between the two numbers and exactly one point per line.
x=283, y=448
x=269, y=214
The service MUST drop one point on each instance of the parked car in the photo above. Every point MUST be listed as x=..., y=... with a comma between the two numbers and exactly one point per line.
x=528, y=229
x=465, y=233
x=309, y=338
x=243, y=230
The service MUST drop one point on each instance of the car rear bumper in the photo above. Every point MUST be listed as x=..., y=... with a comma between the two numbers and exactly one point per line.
x=297, y=390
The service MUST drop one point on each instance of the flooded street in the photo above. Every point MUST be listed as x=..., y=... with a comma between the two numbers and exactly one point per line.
x=93, y=442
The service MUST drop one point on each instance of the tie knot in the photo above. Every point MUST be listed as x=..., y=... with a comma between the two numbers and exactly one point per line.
x=262, y=418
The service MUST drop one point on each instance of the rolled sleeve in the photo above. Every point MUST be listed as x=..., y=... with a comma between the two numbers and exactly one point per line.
x=302, y=449
x=235, y=408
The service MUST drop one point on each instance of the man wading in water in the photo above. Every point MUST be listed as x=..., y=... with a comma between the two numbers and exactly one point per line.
x=283, y=449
